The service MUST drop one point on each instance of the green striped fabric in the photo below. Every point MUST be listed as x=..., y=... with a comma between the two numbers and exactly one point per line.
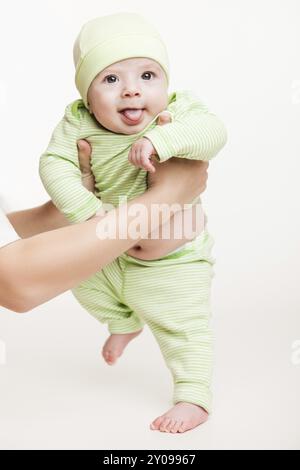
x=172, y=296
x=194, y=133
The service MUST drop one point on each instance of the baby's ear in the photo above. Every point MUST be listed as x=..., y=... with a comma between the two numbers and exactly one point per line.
x=165, y=117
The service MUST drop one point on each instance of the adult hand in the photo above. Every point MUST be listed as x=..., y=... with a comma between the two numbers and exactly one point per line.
x=189, y=176
x=84, y=157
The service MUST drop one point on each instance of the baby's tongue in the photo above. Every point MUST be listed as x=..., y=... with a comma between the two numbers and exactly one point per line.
x=133, y=114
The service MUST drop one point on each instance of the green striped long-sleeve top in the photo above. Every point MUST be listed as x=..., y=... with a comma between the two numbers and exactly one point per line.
x=194, y=133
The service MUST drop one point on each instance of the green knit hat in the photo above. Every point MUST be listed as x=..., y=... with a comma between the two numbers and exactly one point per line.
x=112, y=38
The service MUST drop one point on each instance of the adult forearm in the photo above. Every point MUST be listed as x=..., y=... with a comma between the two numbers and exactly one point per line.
x=37, y=269
x=30, y=222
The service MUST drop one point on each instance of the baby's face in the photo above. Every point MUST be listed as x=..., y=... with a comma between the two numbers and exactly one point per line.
x=138, y=83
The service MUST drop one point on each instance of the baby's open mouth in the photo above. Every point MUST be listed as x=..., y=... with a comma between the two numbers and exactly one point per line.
x=132, y=114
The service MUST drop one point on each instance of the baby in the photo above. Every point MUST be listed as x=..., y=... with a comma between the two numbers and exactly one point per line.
x=129, y=119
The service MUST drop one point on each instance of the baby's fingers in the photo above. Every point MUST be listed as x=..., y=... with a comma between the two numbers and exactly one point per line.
x=147, y=164
x=132, y=157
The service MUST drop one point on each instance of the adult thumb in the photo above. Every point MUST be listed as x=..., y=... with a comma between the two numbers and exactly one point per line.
x=165, y=117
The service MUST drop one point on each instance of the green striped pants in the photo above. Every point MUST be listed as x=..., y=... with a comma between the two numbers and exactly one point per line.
x=172, y=296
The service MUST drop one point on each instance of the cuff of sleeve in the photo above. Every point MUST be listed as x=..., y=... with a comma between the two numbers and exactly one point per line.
x=126, y=325
x=85, y=212
x=162, y=142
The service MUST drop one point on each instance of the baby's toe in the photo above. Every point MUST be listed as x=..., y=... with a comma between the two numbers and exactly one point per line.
x=170, y=425
x=109, y=357
x=164, y=424
x=175, y=426
x=156, y=423
x=182, y=427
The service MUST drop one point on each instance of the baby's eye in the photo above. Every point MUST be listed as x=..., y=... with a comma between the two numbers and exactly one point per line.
x=109, y=76
x=148, y=73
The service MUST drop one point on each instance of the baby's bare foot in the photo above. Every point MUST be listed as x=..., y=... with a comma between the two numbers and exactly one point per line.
x=115, y=345
x=182, y=417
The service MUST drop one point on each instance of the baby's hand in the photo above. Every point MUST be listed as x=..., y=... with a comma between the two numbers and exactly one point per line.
x=140, y=154
x=142, y=150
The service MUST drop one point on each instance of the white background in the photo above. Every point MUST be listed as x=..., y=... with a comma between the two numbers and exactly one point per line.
x=242, y=59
